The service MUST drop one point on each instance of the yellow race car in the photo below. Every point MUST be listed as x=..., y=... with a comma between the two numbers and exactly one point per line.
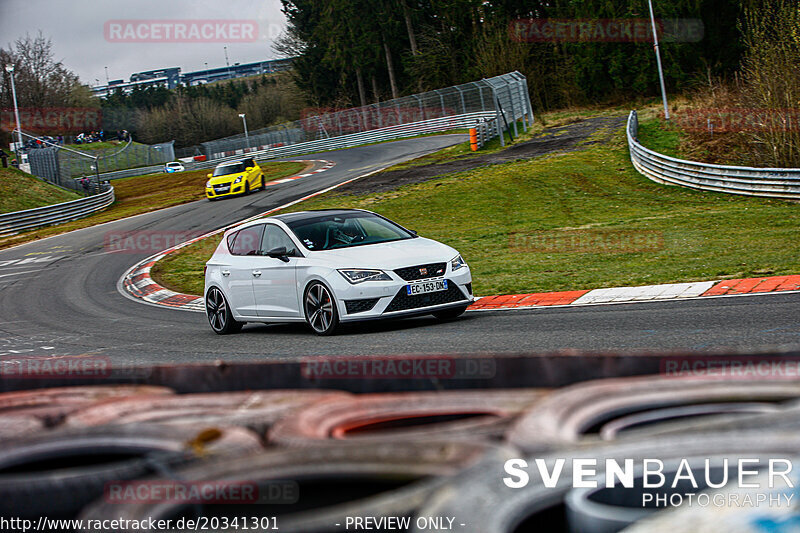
x=235, y=177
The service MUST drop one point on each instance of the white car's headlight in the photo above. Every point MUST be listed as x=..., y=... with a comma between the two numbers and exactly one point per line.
x=457, y=262
x=237, y=180
x=208, y=184
x=360, y=275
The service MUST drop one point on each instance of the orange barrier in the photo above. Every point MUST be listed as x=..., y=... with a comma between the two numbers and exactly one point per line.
x=473, y=139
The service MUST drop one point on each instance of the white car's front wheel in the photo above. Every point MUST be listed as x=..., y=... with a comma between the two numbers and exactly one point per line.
x=320, y=309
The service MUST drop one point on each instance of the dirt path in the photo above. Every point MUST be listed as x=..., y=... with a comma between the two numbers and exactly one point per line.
x=574, y=136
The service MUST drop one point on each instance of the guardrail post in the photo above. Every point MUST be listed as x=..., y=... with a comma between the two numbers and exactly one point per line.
x=498, y=115
x=441, y=99
x=463, y=103
x=421, y=109
x=513, y=111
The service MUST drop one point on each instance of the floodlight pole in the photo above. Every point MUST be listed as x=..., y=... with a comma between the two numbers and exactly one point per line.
x=658, y=61
x=10, y=70
x=246, y=135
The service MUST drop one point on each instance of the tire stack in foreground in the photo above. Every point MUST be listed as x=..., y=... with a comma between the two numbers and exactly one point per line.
x=315, y=458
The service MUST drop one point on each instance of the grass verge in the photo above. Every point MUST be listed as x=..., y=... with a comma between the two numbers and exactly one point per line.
x=579, y=220
x=19, y=191
x=182, y=271
x=142, y=194
x=107, y=146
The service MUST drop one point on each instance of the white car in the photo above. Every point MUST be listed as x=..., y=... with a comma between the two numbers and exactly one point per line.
x=174, y=166
x=331, y=266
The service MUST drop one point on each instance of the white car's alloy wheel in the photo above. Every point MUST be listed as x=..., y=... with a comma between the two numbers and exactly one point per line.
x=320, y=309
x=219, y=314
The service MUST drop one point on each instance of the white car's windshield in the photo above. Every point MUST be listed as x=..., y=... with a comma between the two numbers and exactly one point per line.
x=343, y=231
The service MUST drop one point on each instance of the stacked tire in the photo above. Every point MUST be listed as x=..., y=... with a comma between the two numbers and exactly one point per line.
x=318, y=458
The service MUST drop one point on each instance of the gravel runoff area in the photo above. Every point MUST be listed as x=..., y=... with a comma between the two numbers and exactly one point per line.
x=571, y=137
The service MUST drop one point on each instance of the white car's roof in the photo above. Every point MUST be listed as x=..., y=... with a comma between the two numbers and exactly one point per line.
x=285, y=219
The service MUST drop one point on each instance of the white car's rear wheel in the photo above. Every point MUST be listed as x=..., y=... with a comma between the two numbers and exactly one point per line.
x=219, y=313
x=320, y=308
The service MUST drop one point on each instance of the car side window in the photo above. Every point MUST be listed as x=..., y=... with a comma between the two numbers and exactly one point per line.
x=249, y=163
x=275, y=237
x=247, y=240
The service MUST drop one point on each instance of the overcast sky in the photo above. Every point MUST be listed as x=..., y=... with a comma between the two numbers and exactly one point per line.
x=78, y=31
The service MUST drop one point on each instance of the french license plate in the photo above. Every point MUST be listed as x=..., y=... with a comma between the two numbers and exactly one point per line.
x=222, y=189
x=426, y=287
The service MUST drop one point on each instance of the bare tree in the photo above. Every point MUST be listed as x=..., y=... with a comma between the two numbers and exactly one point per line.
x=772, y=78
x=288, y=44
x=41, y=81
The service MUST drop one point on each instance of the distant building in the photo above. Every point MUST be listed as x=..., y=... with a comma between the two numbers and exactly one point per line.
x=171, y=77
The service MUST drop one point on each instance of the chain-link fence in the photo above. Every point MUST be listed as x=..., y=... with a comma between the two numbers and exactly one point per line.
x=131, y=155
x=45, y=164
x=81, y=171
x=504, y=98
x=494, y=105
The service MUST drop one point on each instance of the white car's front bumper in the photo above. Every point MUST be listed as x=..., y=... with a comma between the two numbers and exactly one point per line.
x=384, y=299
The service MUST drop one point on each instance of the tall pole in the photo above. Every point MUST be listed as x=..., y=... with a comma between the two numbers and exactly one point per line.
x=10, y=70
x=658, y=60
x=227, y=63
x=246, y=135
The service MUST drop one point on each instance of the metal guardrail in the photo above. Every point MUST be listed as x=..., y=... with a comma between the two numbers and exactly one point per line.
x=750, y=181
x=17, y=221
x=378, y=135
x=333, y=143
x=131, y=172
x=503, y=99
x=487, y=130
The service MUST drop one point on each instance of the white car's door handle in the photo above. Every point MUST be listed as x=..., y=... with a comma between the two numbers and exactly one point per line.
x=226, y=272
x=256, y=273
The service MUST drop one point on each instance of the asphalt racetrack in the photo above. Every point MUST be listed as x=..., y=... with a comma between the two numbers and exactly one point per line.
x=59, y=296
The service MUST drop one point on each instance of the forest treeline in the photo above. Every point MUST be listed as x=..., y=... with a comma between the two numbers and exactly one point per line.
x=355, y=52
x=359, y=51
x=192, y=115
